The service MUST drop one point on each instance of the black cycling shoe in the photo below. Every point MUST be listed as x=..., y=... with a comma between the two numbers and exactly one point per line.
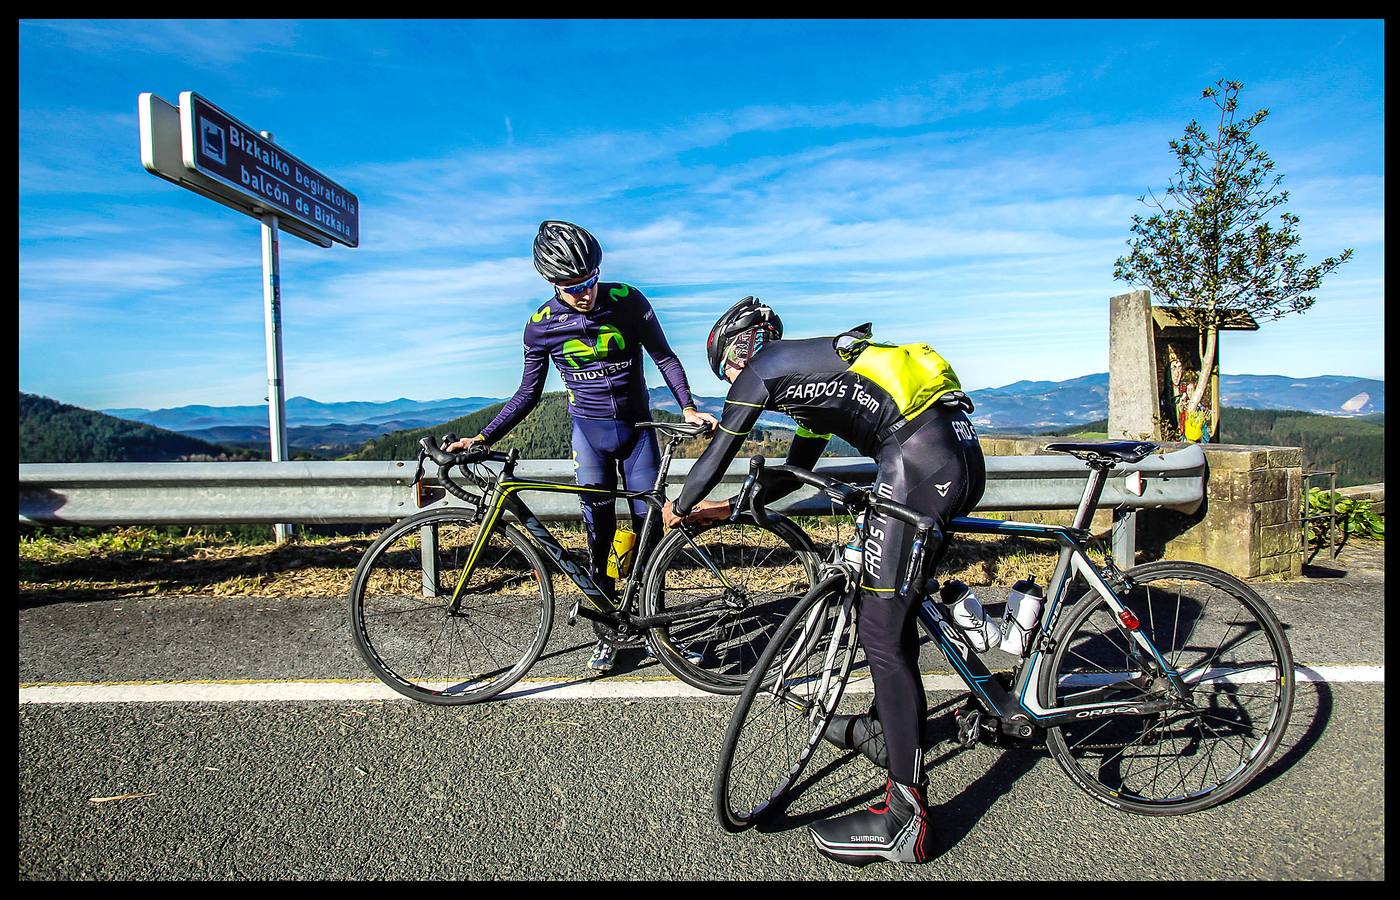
x=895, y=829
x=863, y=733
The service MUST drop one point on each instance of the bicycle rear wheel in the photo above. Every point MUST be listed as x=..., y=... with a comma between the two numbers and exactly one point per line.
x=732, y=584
x=785, y=706
x=1237, y=666
x=400, y=600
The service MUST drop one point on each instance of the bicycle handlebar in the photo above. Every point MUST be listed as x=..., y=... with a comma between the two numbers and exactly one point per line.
x=446, y=461
x=853, y=499
x=479, y=453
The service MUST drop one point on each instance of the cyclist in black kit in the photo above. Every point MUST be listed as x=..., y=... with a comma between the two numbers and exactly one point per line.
x=904, y=406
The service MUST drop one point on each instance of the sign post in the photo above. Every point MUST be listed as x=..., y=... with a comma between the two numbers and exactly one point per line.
x=200, y=147
x=272, y=320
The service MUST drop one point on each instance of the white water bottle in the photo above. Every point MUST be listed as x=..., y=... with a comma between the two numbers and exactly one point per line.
x=1021, y=620
x=980, y=630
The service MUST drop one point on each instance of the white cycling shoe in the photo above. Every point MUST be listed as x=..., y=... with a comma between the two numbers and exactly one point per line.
x=604, y=657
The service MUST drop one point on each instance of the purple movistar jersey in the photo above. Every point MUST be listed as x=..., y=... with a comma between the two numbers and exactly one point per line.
x=599, y=355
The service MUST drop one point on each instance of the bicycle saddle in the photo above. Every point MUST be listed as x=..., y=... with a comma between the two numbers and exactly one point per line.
x=1119, y=451
x=685, y=429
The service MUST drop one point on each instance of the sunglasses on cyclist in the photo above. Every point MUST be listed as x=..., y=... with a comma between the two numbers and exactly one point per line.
x=574, y=290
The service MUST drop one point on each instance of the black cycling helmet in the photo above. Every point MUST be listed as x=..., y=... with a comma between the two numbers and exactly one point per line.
x=565, y=252
x=747, y=325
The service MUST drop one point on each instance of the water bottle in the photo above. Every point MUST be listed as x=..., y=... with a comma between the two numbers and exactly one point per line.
x=1021, y=620
x=981, y=631
x=855, y=547
x=620, y=559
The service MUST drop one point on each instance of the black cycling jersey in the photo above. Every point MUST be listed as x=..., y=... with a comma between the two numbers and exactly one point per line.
x=863, y=400
x=903, y=406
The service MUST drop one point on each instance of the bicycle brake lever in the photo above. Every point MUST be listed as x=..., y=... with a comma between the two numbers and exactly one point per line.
x=418, y=472
x=742, y=498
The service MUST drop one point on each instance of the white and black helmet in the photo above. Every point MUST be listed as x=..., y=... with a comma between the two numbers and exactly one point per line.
x=566, y=252
x=741, y=332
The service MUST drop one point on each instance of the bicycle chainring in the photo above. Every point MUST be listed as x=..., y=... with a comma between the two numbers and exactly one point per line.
x=608, y=635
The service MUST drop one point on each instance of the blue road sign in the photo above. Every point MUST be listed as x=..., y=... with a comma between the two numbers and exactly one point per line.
x=222, y=148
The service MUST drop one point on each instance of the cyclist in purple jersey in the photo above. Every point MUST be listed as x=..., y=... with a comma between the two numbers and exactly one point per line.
x=595, y=331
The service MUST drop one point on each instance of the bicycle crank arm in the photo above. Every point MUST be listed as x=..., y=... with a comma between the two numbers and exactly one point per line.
x=582, y=612
x=662, y=620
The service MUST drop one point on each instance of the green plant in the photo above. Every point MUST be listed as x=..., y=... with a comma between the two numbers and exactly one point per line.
x=1210, y=251
x=1353, y=516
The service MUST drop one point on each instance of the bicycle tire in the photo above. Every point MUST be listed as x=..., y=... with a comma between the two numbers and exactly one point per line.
x=768, y=568
x=412, y=644
x=1203, y=753
x=778, y=723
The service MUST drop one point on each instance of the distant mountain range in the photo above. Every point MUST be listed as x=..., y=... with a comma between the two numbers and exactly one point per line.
x=335, y=428
x=1025, y=406
x=50, y=431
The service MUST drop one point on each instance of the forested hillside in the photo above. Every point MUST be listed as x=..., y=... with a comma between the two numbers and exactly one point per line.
x=1354, y=447
x=50, y=431
x=547, y=432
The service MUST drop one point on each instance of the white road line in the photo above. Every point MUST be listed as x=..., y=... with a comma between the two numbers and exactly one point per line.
x=526, y=689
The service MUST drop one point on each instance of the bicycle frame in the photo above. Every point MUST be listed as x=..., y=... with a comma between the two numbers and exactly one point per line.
x=1022, y=705
x=1025, y=701
x=600, y=606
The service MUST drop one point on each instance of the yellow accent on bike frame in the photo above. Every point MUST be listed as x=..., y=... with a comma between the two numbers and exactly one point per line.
x=913, y=374
x=504, y=490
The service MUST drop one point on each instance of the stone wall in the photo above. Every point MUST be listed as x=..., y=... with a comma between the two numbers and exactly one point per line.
x=1249, y=524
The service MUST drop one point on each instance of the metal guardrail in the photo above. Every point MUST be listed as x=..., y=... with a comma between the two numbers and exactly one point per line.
x=381, y=492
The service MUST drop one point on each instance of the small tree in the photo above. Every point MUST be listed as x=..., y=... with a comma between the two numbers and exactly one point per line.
x=1210, y=251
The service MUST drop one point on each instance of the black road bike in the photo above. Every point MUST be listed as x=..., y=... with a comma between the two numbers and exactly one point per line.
x=454, y=604
x=1161, y=690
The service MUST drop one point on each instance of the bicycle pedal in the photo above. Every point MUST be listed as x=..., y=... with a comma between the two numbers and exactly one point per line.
x=573, y=614
x=969, y=726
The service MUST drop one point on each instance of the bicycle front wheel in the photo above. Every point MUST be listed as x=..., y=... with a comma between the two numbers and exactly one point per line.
x=1236, y=668
x=729, y=587
x=406, y=630
x=785, y=706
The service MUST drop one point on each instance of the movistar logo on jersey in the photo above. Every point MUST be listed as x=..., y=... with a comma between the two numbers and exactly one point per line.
x=576, y=352
x=619, y=292
x=542, y=314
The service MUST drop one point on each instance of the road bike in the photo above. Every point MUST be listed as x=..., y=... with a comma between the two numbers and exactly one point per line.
x=454, y=604
x=1161, y=690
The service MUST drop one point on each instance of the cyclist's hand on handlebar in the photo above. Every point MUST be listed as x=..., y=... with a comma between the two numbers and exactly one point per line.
x=464, y=444
x=695, y=417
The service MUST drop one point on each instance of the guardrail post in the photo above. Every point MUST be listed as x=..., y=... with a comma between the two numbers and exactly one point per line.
x=428, y=541
x=1124, y=538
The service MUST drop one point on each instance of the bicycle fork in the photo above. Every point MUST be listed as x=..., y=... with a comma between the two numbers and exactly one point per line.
x=812, y=630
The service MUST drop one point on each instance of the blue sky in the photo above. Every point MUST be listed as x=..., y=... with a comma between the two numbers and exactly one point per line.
x=964, y=183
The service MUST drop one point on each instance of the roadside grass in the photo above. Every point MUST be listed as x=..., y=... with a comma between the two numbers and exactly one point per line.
x=58, y=565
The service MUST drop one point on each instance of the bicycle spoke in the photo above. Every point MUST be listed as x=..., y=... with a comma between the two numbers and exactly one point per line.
x=1210, y=745
x=417, y=646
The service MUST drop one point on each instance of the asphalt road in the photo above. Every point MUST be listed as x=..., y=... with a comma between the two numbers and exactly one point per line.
x=607, y=788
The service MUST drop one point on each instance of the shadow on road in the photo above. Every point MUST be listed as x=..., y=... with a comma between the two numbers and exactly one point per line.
x=1312, y=710
x=849, y=781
